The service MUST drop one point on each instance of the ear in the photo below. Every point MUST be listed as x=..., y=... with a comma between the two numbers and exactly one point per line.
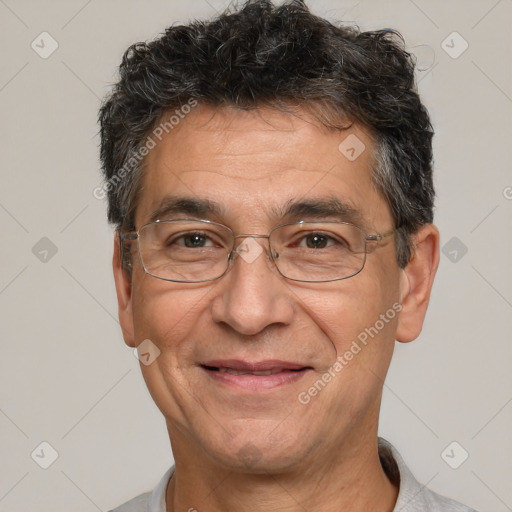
x=123, y=282
x=417, y=280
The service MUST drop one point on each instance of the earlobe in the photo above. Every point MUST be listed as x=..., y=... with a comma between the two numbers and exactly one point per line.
x=124, y=294
x=417, y=280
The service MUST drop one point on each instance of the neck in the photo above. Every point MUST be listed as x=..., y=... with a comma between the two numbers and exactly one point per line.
x=348, y=478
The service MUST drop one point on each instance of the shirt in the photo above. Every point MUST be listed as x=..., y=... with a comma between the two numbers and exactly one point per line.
x=412, y=496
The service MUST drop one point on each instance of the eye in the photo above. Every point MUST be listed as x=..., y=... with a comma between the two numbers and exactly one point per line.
x=315, y=241
x=192, y=240
x=319, y=241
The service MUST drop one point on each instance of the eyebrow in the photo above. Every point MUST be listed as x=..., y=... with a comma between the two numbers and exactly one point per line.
x=330, y=208
x=174, y=205
x=326, y=208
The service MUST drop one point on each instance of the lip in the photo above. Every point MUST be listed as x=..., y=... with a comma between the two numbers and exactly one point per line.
x=248, y=374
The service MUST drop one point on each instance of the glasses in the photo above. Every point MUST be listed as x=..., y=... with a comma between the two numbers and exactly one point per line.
x=195, y=251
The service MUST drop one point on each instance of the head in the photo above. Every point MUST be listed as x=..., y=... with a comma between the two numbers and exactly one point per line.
x=261, y=117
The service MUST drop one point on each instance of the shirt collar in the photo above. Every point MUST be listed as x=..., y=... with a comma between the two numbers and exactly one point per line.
x=157, y=499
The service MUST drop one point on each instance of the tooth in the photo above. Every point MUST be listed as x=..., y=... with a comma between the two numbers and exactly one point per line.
x=266, y=372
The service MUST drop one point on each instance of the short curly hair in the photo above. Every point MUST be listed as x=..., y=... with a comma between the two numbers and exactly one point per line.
x=283, y=57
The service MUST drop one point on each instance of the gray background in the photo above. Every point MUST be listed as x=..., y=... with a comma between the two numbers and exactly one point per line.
x=66, y=376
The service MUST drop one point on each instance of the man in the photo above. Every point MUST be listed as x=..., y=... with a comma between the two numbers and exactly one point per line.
x=269, y=176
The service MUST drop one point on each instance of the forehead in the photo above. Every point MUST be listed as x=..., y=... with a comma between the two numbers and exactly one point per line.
x=253, y=164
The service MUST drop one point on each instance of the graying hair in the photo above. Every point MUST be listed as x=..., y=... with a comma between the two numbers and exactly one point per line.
x=287, y=58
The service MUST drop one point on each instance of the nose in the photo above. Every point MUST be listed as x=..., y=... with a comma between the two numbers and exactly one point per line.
x=252, y=295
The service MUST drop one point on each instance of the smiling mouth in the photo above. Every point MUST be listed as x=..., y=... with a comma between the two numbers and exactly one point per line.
x=233, y=371
x=254, y=377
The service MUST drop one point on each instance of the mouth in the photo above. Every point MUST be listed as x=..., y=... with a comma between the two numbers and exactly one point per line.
x=254, y=376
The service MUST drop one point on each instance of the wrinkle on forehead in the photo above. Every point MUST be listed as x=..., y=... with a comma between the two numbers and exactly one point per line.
x=233, y=138
x=242, y=175
x=229, y=132
x=260, y=160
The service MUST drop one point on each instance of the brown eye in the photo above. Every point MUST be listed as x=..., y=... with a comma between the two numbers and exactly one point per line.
x=193, y=240
x=316, y=241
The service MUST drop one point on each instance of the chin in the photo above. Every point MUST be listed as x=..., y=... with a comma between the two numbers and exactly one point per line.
x=258, y=450
x=254, y=459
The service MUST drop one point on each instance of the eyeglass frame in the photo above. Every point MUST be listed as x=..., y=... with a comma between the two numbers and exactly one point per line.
x=134, y=235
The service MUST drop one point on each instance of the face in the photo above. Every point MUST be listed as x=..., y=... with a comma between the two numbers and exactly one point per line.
x=219, y=340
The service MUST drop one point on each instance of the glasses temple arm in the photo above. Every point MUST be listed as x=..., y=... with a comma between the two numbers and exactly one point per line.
x=380, y=236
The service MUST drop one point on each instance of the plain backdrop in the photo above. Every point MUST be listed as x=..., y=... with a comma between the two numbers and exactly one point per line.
x=67, y=378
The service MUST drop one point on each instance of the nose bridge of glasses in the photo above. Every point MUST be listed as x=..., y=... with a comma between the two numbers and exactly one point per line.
x=248, y=249
x=250, y=235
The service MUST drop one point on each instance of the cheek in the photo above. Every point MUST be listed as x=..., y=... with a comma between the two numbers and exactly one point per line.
x=166, y=313
x=360, y=318
x=362, y=307
x=375, y=305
